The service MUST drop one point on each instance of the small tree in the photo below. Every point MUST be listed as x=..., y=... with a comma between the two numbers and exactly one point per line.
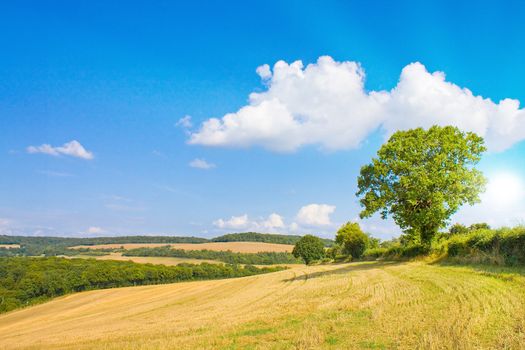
x=353, y=240
x=479, y=226
x=422, y=177
x=458, y=229
x=309, y=248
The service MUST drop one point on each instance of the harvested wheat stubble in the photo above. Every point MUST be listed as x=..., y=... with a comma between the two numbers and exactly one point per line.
x=348, y=306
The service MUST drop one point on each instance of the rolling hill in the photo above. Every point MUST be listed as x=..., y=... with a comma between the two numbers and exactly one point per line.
x=373, y=305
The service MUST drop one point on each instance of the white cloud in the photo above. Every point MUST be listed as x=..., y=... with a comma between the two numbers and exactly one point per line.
x=4, y=222
x=201, y=164
x=94, y=230
x=264, y=72
x=272, y=222
x=315, y=214
x=294, y=227
x=326, y=104
x=235, y=222
x=184, y=122
x=72, y=148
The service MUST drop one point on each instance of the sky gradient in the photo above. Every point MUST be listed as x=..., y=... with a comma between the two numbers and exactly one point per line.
x=105, y=110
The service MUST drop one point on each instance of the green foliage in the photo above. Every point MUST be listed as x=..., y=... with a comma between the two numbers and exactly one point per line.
x=372, y=242
x=421, y=177
x=458, y=229
x=261, y=258
x=24, y=281
x=397, y=252
x=479, y=226
x=309, y=248
x=352, y=239
x=334, y=251
x=375, y=253
x=264, y=237
x=504, y=246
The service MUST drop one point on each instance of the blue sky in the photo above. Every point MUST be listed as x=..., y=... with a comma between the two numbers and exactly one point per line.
x=119, y=80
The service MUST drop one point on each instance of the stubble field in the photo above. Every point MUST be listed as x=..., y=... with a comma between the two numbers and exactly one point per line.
x=351, y=306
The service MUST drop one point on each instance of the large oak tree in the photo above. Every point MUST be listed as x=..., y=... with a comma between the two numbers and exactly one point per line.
x=421, y=177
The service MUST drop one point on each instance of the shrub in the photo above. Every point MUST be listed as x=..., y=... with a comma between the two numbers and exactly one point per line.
x=334, y=251
x=486, y=245
x=374, y=253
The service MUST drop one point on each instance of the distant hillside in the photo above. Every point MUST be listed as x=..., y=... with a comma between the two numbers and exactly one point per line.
x=263, y=237
x=69, y=241
x=52, y=246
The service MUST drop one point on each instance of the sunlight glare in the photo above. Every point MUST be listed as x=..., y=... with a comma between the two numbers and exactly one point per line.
x=504, y=190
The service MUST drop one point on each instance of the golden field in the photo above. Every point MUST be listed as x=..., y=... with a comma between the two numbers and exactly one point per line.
x=8, y=246
x=349, y=306
x=160, y=260
x=239, y=247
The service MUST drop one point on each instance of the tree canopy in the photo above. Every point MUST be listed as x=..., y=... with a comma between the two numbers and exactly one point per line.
x=309, y=248
x=421, y=177
x=352, y=239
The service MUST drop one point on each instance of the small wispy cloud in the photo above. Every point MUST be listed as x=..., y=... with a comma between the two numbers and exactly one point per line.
x=54, y=173
x=120, y=203
x=94, y=230
x=72, y=148
x=201, y=164
x=123, y=207
x=184, y=122
x=158, y=154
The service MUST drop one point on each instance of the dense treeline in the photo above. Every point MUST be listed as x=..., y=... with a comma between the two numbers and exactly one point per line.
x=24, y=280
x=261, y=258
x=263, y=237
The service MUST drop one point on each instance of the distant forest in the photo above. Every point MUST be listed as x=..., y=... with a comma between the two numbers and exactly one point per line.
x=53, y=246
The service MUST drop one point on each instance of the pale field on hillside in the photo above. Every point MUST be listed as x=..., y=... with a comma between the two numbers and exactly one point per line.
x=240, y=247
x=351, y=306
x=168, y=261
x=9, y=246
